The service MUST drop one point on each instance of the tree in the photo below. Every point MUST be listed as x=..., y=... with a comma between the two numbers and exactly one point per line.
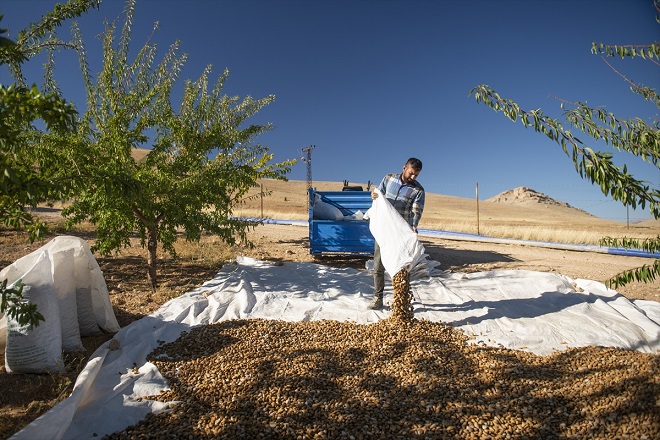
x=22, y=181
x=632, y=135
x=202, y=162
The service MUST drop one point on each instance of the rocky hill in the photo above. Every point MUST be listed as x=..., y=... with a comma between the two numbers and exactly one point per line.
x=527, y=196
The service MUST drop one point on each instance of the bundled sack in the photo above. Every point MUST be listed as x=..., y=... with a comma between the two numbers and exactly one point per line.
x=36, y=350
x=61, y=277
x=62, y=265
x=326, y=211
x=399, y=246
x=90, y=292
x=84, y=307
x=87, y=324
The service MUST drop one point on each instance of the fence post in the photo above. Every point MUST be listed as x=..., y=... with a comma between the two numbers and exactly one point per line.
x=478, y=209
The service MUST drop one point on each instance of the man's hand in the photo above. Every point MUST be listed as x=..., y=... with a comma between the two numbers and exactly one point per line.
x=374, y=195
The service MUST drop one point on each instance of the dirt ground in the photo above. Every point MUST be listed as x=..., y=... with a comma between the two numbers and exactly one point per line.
x=24, y=397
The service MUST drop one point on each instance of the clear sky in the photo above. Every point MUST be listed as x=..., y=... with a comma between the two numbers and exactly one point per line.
x=371, y=83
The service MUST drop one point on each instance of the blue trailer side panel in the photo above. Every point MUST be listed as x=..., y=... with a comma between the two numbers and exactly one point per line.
x=341, y=236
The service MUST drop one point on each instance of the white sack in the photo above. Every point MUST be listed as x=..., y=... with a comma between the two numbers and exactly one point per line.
x=13, y=273
x=399, y=246
x=79, y=284
x=64, y=282
x=39, y=349
x=326, y=211
x=3, y=331
x=85, y=305
x=103, y=312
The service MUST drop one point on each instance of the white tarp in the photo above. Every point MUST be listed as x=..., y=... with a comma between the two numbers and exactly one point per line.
x=533, y=311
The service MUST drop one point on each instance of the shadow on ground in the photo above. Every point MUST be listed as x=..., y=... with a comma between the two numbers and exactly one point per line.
x=454, y=259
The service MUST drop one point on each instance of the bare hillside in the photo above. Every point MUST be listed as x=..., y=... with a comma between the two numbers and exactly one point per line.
x=527, y=196
x=139, y=153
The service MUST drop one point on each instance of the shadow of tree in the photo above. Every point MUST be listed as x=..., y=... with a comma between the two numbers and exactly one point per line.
x=131, y=294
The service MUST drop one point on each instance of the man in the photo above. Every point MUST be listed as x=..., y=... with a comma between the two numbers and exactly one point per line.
x=406, y=195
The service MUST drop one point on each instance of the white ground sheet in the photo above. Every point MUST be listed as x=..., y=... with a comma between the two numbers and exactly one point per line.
x=534, y=311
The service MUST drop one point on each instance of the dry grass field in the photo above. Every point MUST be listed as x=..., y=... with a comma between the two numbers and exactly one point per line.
x=525, y=219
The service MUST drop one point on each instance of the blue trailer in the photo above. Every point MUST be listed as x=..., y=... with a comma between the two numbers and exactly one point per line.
x=346, y=235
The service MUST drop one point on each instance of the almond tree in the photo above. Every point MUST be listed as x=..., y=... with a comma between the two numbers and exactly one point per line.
x=632, y=135
x=203, y=156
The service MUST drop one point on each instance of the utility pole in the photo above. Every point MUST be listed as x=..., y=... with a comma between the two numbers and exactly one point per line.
x=477, y=190
x=308, y=159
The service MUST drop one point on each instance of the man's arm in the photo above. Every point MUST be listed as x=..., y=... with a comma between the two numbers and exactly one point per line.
x=381, y=187
x=418, y=209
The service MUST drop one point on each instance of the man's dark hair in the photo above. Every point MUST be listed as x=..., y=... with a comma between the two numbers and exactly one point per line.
x=415, y=163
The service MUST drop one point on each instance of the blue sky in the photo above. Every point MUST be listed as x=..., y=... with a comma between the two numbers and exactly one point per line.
x=371, y=83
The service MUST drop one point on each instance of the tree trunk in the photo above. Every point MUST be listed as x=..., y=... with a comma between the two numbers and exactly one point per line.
x=152, y=246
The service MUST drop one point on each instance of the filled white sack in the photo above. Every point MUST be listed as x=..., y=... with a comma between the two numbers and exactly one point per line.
x=83, y=272
x=37, y=349
x=326, y=211
x=81, y=287
x=92, y=276
x=64, y=282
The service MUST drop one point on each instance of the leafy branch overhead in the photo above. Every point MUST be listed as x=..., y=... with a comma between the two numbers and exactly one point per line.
x=42, y=35
x=645, y=272
x=635, y=136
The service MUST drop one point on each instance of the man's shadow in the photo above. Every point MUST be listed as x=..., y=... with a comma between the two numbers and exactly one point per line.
x=451, y=259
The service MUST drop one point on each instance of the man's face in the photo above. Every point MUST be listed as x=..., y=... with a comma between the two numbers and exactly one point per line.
x=409, y=174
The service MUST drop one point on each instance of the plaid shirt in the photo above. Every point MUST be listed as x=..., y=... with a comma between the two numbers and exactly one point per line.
x=407, y=199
